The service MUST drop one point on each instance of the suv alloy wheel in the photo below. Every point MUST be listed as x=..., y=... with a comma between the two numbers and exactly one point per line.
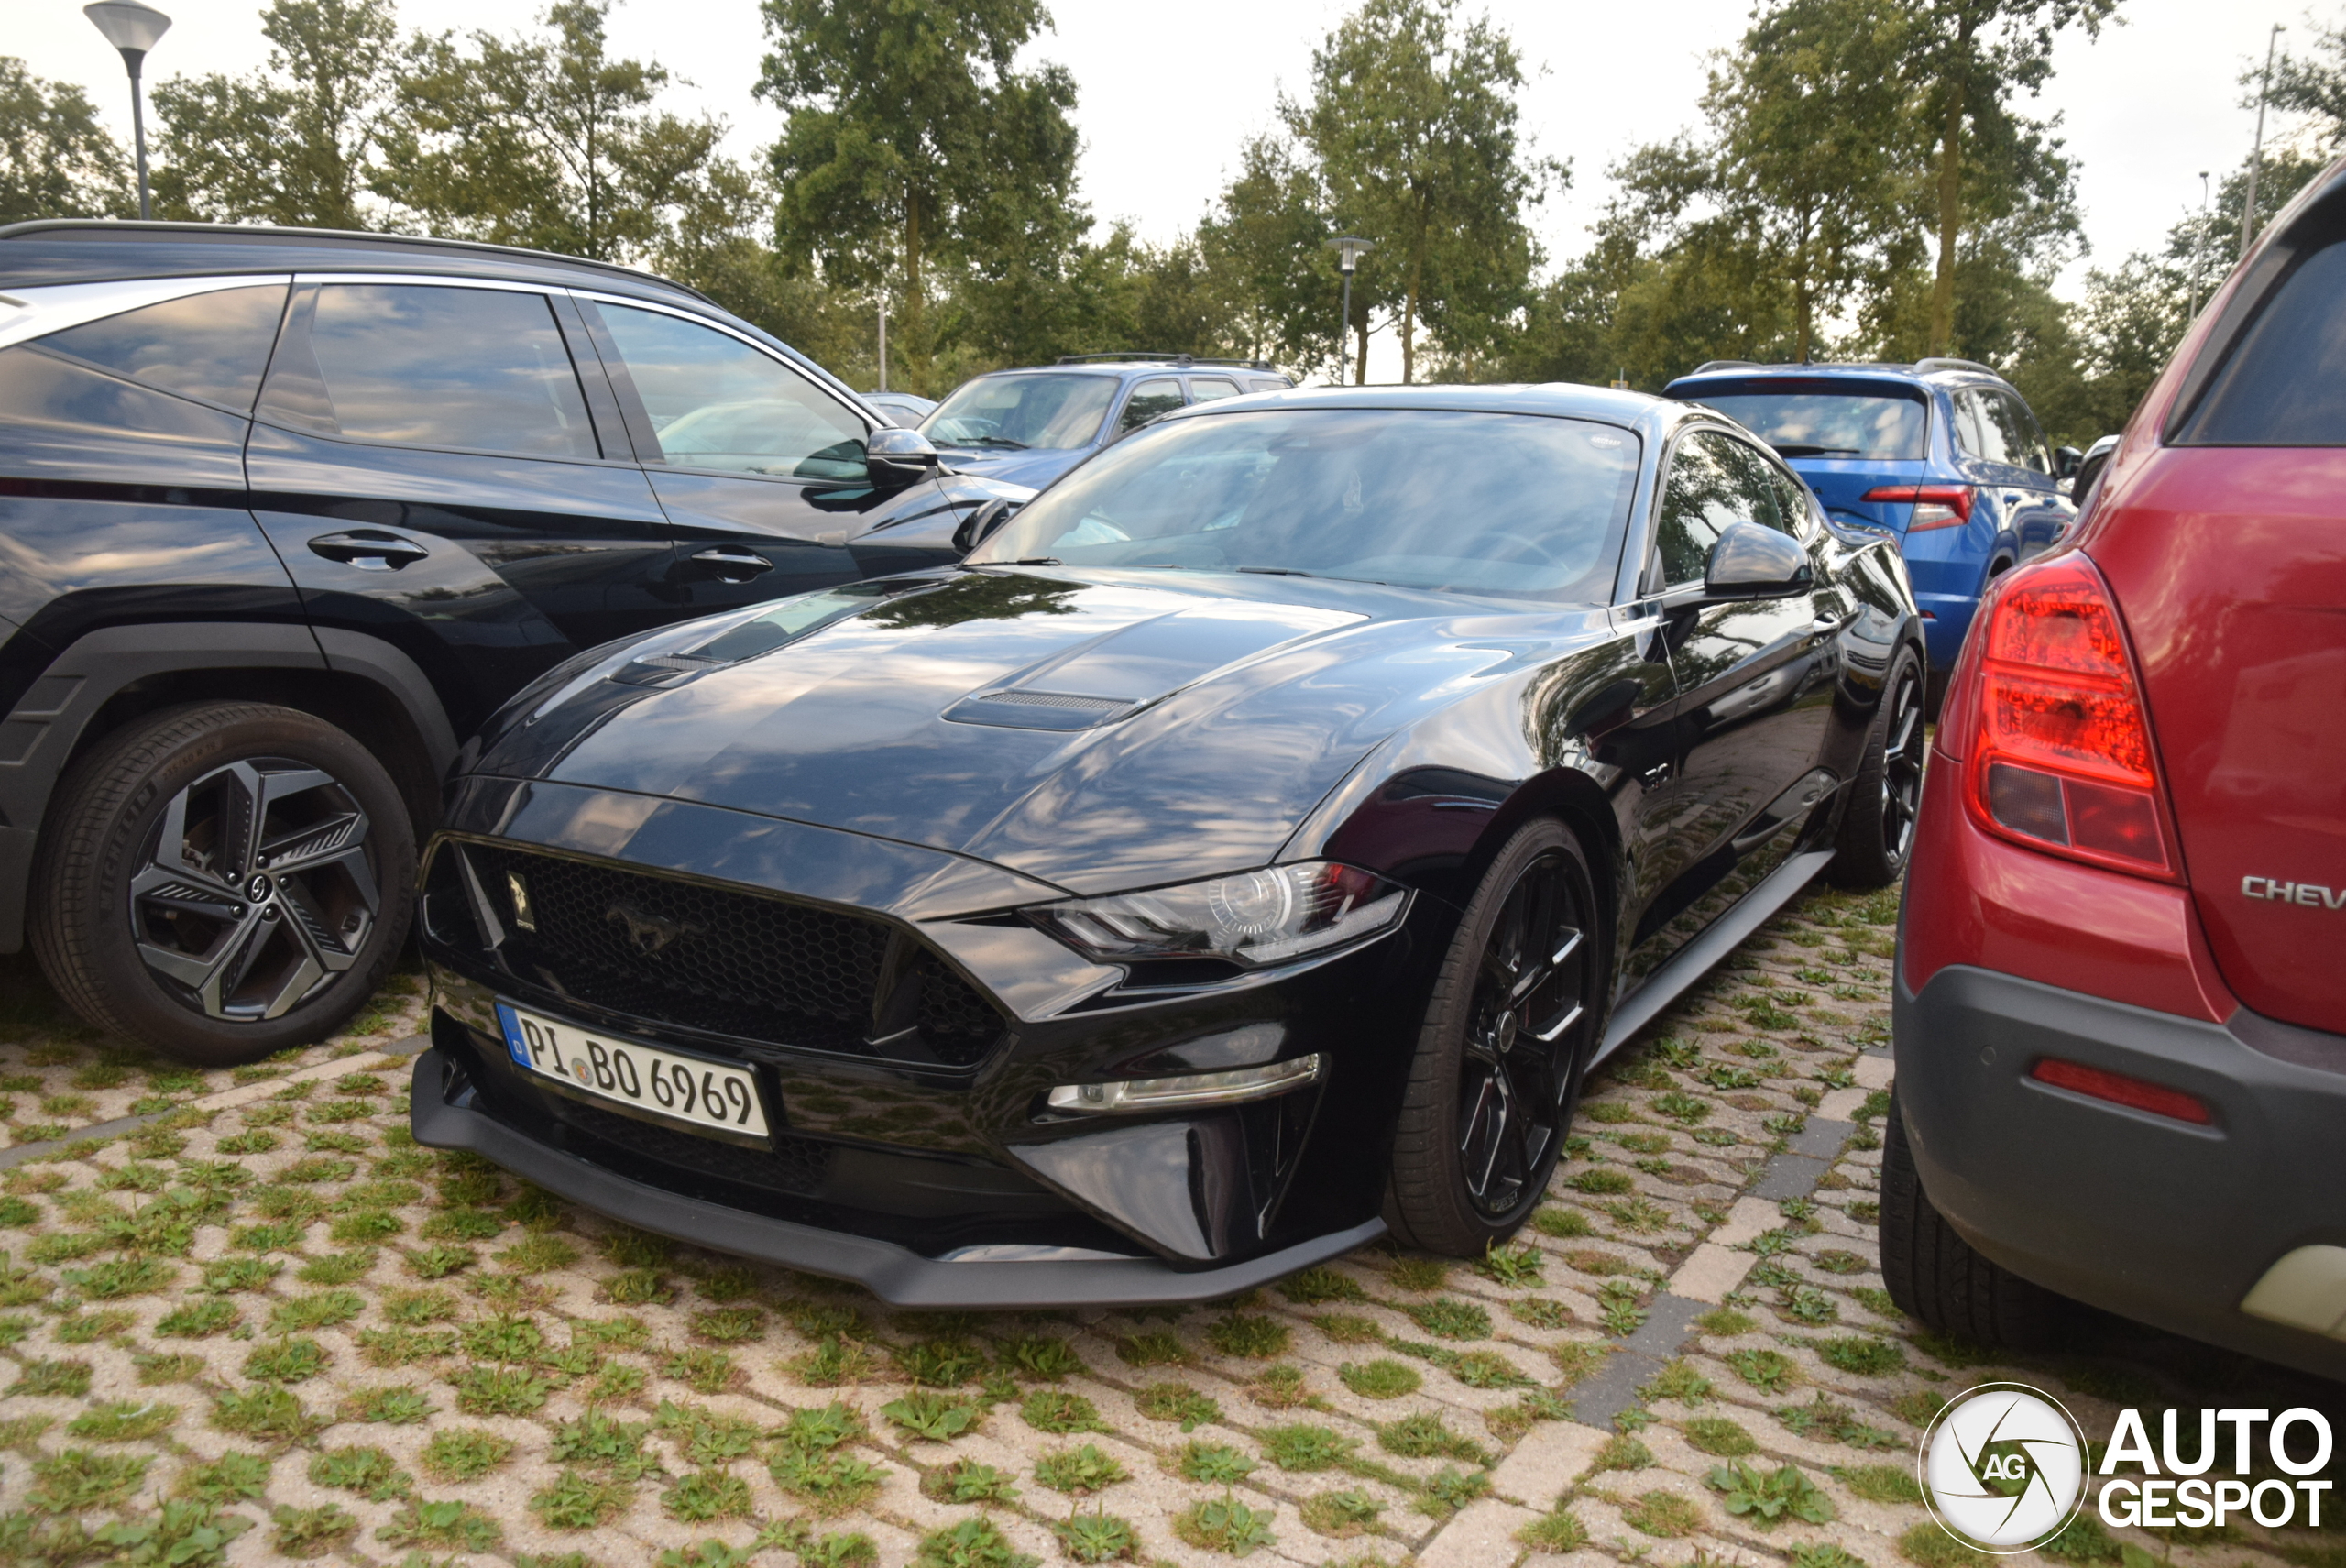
x=226, y=880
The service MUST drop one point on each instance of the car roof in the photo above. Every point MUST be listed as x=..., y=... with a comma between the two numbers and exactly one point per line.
x=1934, y=372
x=1132, y=368
x=1560, y=400
x=84, y=251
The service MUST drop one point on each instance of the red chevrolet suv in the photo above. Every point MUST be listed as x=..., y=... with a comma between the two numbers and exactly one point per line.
x=2120, y=1016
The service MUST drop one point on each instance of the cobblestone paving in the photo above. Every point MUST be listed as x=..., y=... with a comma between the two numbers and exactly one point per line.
x=265, y=1326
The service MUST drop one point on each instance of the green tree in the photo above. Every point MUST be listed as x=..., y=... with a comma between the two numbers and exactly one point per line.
x=1413, y=123
x=1966, y=61
x=912, y=144
x=56, y=160
x=1265, y=250
x=294, y=142
x=550, y=141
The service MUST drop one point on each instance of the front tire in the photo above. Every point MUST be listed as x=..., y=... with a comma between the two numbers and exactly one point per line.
x=1516, y=1010
x=223, y=880
x=1877, y=836
x=1940, y=1279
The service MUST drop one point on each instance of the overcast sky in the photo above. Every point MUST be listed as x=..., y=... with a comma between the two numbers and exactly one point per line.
x=1169, y=91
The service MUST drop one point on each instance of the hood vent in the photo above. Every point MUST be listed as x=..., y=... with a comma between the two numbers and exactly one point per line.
x=1040, y=710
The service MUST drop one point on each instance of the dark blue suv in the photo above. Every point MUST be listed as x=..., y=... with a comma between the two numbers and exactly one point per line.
x=1028, y=426
x=1942, y=455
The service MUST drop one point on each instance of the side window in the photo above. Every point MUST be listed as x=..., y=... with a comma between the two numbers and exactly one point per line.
x=2024, y=438
x=212, y=345
x=1206, y=389
x=2283, y=381
x=717, y=402
x=1763, y=500
x=1702, y=496
x=421, y=364
x=1792, y=500
x=1980, y=415
x=1149, y=399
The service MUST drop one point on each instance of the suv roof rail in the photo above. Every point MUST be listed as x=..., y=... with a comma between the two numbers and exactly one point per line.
x=1926, y=366
x=1151, y=355
x=1710, y=365
x=251, y=234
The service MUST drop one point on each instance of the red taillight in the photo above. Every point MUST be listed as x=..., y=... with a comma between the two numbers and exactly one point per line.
x=1936, y=505
x=2120, y=1090
x=2060, y=755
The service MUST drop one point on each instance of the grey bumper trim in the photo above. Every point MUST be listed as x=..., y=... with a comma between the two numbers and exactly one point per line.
x=897, y=1274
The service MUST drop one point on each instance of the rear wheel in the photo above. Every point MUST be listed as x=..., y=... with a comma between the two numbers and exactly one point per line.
x=1514, y=1017
x=223, y=880
x=1936, y=1276
x=1877, y=835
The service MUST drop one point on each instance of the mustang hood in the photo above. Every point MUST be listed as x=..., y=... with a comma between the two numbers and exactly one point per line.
x=1098, y=731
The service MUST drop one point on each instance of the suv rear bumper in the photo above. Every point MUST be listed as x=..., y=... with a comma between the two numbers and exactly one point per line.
x=2154, y=1219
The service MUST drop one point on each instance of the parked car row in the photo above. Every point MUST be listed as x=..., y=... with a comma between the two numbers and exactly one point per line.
x=1240, y=849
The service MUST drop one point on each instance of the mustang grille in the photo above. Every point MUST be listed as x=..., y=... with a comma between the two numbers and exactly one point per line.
x=710, y=958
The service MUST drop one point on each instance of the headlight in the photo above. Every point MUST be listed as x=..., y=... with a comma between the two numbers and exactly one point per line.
x=1256, y=919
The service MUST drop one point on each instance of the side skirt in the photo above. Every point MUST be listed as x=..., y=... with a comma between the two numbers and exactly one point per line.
x=1698, y=957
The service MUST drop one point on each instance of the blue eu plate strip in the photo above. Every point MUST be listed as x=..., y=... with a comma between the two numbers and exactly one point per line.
x=508, y=1020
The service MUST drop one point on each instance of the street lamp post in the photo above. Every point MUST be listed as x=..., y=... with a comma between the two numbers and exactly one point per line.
x=1350, y=249
x=134, y=29
x=2256, y=152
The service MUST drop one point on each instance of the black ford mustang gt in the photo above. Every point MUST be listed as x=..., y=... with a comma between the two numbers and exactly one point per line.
x=1247, y=849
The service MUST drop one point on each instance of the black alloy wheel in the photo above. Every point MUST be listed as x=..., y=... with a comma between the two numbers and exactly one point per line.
x=1514, y=1018
x=1877, y=835
x=255, y=889
x=223, y=880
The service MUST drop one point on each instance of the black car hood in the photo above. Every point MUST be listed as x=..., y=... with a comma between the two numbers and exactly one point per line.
x=1095, y=731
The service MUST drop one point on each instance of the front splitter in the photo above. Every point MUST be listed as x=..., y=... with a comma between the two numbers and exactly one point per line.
x=897, y=1274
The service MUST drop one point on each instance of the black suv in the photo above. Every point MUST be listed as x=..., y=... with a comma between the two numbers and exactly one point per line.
x=285, y=514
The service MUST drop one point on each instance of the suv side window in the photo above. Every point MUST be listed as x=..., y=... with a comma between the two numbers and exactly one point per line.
x=717, y=402
x=1206, y=389
x=427, y=364
x=212, y=347
x=1149, y=399
x=1714, y=480
x=1982, y=424
x=2024, y=437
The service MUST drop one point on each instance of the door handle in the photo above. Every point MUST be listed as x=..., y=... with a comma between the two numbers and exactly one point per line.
x=732, y=565
x=369, y=549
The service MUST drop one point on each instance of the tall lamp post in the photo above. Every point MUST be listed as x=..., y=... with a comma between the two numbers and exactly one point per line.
x=134, y=29
x=1350, y=249
x=2256, y=152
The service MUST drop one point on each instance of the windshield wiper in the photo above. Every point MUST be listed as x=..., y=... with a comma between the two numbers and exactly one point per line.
x=1277, y=572
x=1797, y=449
x=996, y=441
x=1038, y=561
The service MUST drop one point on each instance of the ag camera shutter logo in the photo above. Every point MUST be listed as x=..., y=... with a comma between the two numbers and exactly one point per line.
x=2003, y=1467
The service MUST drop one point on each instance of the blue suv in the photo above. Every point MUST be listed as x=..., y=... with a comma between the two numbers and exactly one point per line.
x=1029, y=426
x=1942, y=455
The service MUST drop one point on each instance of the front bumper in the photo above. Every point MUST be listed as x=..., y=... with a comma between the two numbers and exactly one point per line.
x=2158, y=1220
x=895, y=1273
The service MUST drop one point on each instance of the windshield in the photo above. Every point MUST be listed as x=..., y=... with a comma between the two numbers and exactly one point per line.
x=1518, y=504
x=1013, y=412
x=1815, y=423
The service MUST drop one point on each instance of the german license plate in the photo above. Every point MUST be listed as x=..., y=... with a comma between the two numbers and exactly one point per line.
x=700, y=1094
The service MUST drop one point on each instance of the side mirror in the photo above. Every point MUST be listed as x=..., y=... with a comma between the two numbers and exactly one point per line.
x=2066, y=461
x=982, y=523
x=898, y=456
x=1750, y=561
x=2089, y=467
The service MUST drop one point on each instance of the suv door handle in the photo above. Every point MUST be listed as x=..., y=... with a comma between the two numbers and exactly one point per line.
x=732, y=565
x=369, y=549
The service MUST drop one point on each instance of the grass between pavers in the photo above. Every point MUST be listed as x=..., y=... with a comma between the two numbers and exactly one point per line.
x=58, y=1075
x=285, y=1317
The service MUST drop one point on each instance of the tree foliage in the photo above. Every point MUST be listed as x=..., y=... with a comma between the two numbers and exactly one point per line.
x=1413, y=123
x=56, y=160
x=294, y=142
